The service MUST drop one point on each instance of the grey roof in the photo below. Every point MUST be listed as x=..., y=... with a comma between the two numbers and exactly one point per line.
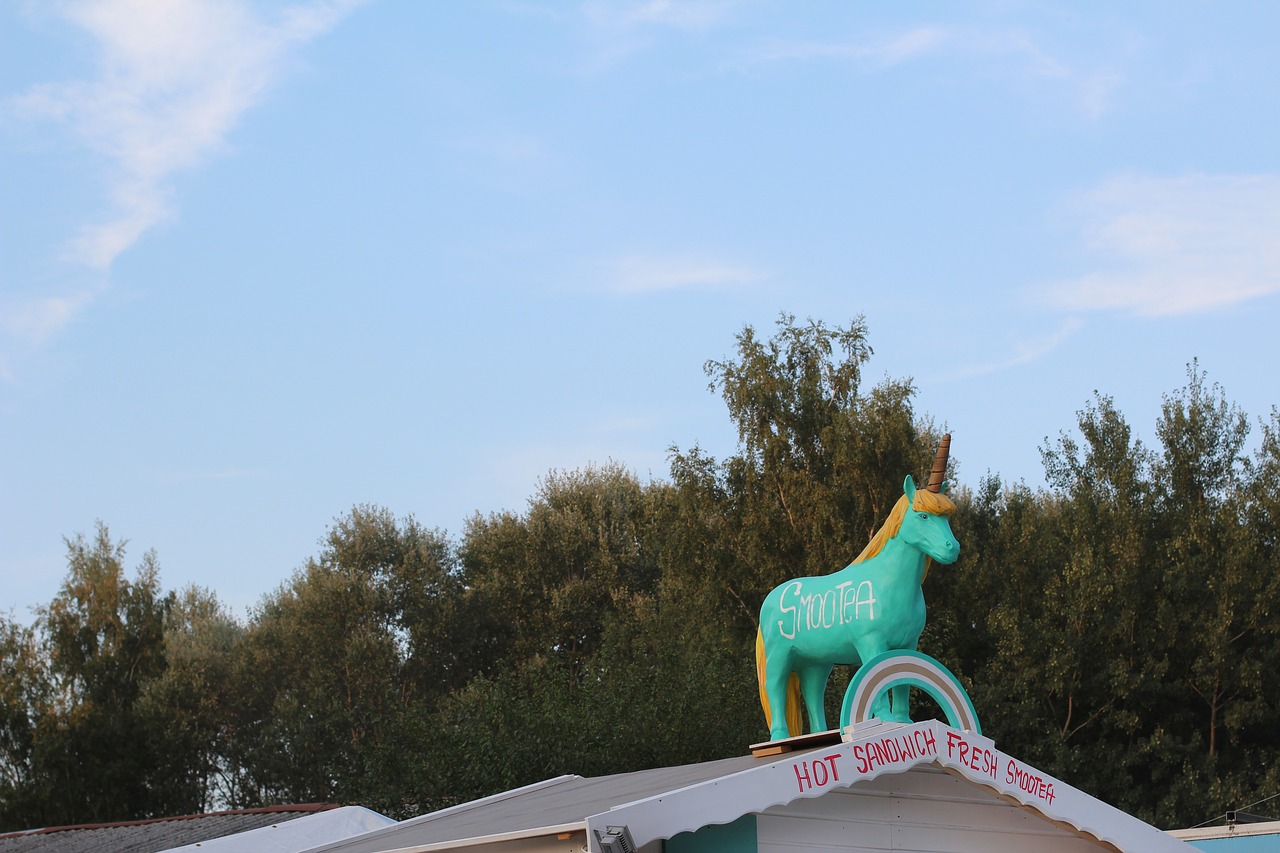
x=150, y=836
x=553, y=803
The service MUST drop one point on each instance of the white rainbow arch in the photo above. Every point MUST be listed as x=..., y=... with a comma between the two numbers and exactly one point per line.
x=883, y=671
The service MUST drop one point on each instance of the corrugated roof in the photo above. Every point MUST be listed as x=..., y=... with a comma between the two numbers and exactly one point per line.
x=553, y=803
x=150, y=836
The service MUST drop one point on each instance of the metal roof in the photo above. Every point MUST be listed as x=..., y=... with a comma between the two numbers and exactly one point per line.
x=150, y=836
x=551, y=805
x=659, y=804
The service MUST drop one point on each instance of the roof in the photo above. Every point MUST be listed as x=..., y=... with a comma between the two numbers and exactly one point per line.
x=1234, y=838
x=659, y=804
x=295, y=835
x=151, y=836
x=547, y=807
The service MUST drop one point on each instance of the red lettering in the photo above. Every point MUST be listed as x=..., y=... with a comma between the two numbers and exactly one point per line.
x=802, y=775
x=860, y=756
x=1029, y=782
x=822, y=771
x=931, y=743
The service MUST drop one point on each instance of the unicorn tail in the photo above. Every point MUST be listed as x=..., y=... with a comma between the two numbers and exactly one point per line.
x=793, y=692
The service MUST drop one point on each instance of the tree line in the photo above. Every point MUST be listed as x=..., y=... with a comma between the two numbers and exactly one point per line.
x=1116, y=628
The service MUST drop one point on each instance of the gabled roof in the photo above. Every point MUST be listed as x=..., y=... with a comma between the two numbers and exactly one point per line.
x=659, y=804
x=549, y=807
x=150, y=836
x=295, y=835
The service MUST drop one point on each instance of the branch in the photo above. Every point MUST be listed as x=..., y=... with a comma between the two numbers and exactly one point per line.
x=1066, y=735
x=782, y=497
x=738, y=598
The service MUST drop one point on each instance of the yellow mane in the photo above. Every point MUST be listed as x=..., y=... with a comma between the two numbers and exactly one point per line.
x=926, y=501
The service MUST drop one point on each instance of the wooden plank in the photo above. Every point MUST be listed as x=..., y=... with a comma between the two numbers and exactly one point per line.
x=791, y=744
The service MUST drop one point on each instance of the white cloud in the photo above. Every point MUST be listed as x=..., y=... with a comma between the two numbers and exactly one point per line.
x=28, y=323
x=1177, y=245
x=1025, y=351
x=672, y=14
x=173, y=78
x=36, y=320
x=618, y=30
x=1016, y=56
x=650, y=274
x=878, y=53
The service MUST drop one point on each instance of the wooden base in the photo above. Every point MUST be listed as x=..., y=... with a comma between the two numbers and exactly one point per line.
x=791, y=744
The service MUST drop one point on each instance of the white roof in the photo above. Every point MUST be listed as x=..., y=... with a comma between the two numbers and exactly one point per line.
x=659, y=804
x=292, y=836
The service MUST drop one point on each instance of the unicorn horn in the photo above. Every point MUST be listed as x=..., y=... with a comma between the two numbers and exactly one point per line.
x=939, y=465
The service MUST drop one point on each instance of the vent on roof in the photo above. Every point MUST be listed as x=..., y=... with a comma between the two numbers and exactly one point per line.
x=616, y=839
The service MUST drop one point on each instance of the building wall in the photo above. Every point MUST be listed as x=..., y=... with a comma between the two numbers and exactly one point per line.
x=736, y=837
x=922, y=810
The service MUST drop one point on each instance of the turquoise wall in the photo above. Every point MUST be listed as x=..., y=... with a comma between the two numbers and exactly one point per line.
x=1240, y=844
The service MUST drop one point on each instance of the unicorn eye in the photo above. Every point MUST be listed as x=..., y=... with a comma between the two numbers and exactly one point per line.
x=923, y=515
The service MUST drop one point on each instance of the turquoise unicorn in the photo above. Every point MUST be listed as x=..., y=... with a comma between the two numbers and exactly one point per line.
x=874, y=605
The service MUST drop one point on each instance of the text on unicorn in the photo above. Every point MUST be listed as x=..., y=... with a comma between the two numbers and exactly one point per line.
x=836, y=606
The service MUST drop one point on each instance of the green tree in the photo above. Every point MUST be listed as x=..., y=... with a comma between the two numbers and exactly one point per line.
x=338, y=661
x=92, y=755
x=819, y=466
x=1211, y=577
x=188, y=707
x=550, y=579
x=24, y=691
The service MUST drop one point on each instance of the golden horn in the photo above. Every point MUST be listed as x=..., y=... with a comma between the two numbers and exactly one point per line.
x=939, y=465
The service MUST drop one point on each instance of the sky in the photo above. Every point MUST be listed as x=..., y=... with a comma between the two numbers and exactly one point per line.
x=261, y=262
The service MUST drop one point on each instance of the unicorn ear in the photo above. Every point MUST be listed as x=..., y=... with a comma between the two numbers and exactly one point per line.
x=909, y=489
x=946, y=486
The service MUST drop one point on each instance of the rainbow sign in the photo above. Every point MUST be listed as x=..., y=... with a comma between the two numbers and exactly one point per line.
x=892, y=668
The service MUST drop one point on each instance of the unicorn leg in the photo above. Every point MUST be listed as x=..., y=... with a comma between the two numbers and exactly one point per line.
x=776, y=675
x=901, y=703
x=880, y=706
x=813, y=683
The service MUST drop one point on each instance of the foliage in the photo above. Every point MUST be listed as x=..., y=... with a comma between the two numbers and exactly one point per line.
x=337, y=662
x=1117, y=628
x=79, y=747
x=820, y=466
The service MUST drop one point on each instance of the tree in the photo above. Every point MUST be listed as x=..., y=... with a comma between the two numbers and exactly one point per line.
x=1211, y=558
x=188, y=708
x=553, y=576
x=92, y=757
x=819, y=466
x=24, y=690
x=338, y=662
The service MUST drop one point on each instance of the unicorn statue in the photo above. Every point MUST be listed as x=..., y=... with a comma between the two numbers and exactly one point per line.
x=873, y=605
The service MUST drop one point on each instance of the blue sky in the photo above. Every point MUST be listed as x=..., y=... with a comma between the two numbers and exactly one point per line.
x=261, y=262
